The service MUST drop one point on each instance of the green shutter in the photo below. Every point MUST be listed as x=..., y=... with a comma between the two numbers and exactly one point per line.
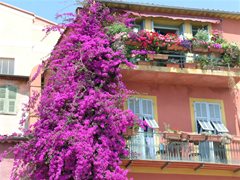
x=12, y=91
x=11, y=106
x=2, y=98
x=1, y=105
x=11, y=101
x=3, y=92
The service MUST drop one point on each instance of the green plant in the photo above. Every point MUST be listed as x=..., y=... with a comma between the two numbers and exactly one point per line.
x=117, y=28
x=202, y=35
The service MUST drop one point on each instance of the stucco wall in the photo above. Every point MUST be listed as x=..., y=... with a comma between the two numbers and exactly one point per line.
x=22, y=38
x=230, y=29
x=144, y=176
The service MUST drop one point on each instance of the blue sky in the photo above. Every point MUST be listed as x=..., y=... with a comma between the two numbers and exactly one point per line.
x=49, y=8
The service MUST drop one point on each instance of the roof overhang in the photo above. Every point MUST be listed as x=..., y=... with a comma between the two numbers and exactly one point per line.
x=138, y=6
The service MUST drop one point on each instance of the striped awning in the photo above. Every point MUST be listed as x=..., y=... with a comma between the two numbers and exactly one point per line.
x=176, y=17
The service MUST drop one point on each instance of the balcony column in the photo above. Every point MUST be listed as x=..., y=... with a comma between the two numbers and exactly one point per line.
x=187, y=29
x=148, y=24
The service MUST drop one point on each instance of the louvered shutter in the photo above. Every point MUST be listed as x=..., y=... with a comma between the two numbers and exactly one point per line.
x=147, y=108
x=2, y=98
x=11, y=104
x=215, y=117
x=201, y=116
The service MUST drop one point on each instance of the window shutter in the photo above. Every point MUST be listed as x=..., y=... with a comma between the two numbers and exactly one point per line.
x=11, y=106
x=201, y=116
x=1, y=105
x=181, y=29
x=2, y=98
x=12, y=91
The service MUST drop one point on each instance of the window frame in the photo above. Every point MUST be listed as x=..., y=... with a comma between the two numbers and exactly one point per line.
x=153, y=99
x=2, y=59
x=208, y=102
x=167, y=28
x=7, y=100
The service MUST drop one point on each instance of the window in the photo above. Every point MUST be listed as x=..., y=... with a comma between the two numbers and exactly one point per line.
x=8, y=99
x=143, y=108
x=208, y=117
x=7, y=66
x=165, y=29
x=196, y=28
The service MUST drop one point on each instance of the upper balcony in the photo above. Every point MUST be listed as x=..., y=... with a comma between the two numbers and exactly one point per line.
x=183, y=150
x=197, y=61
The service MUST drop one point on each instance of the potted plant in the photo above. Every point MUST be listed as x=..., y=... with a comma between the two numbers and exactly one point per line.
x=200, y=42
x=132, y=131
x=216, y=48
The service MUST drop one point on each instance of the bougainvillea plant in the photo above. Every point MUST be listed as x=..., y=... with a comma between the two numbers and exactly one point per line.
x=79, y=132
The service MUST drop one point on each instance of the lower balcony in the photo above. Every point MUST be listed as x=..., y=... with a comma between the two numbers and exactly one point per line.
x=184, y=150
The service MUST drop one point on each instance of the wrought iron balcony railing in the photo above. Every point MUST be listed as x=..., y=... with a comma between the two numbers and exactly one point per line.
x=156, y=146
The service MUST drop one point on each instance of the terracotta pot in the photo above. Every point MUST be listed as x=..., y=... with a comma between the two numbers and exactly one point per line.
x=199, y=50
x=145, y=63
x=173, y=65
x=157, y=56
x=190, y=65
x=216, y=50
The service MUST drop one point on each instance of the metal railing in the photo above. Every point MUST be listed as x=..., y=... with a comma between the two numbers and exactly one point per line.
x=153, y=146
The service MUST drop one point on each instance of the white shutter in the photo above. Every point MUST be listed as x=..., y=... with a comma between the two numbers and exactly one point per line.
x=134, y=105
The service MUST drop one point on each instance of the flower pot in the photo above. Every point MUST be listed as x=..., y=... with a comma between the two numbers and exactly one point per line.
x=172, y=136
x=199, y=50
x=157, y=56
x=173, y=65
x=190, y=65
x=216, y=50
x=145, y=63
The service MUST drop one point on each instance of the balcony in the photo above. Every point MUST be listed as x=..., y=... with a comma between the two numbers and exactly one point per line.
x=184, y=150
x=177, y=60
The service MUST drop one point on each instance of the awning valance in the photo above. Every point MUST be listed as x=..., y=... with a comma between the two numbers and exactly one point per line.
x=177, y=17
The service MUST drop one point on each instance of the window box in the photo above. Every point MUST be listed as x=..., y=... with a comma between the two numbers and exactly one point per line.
x=199, y=50
x=173, y=65
x=214, y=138
x=172, y=136
x=157, y=56
x=190, y=65
x=197, y=137
x=175, y=47
x=216, y=50
x=145, y=63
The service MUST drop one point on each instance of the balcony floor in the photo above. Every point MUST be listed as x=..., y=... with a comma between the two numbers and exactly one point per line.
x=178, y=76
